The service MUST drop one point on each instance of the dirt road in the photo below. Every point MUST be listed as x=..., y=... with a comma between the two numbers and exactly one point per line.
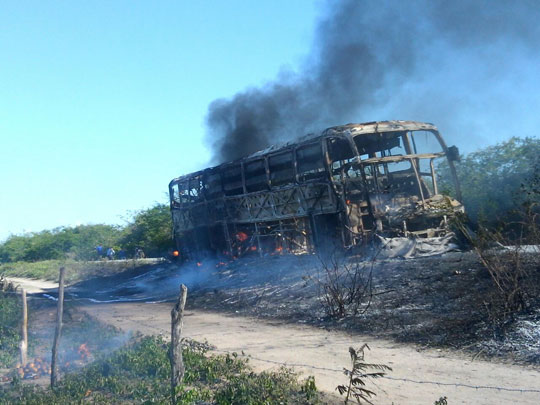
x=33, y=286
x=324, y=353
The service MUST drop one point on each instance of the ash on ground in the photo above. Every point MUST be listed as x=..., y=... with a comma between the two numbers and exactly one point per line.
x=441, y=301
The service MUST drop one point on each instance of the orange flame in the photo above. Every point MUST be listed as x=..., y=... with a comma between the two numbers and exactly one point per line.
x=84, y=352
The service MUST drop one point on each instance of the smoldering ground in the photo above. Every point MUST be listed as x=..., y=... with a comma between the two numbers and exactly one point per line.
x=468, y=66
x=83, y=340
x=159, y=283
x=433, y=301
x=154, y=283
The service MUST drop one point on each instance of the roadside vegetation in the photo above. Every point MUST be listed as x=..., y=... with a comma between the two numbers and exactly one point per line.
x=75, y=270
x=78, y=329
x=355, y=389
x=9, y=328
x=115, y=367
x=149, y=229
x=501, y=193
x=496, y=180
x=140, y=373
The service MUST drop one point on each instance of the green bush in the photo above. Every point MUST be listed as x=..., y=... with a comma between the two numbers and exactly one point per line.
x=493, y=179
x=61, y=243
x=281, y=387
x=10, y=315
x=140, y=373
x=150, y=229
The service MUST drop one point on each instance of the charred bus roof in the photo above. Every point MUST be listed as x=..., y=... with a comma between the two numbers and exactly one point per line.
x=340, y=130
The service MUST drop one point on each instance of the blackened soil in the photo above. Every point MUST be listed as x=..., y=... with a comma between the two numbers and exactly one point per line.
x=443, y=301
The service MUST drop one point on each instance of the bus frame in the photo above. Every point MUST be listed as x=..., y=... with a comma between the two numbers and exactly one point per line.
x=339, y=187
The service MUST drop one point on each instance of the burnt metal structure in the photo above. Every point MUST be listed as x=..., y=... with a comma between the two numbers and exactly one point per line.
x=345, y=184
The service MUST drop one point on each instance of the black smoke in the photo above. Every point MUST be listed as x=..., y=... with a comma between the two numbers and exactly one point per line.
x=459, y=64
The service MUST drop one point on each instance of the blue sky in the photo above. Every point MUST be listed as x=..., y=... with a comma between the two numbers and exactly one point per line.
x=103, y=103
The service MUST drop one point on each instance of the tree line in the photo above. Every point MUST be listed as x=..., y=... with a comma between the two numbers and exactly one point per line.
x=149, y=229
x=498, y=182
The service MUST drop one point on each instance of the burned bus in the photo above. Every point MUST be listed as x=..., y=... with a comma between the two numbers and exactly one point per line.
x=345, y=185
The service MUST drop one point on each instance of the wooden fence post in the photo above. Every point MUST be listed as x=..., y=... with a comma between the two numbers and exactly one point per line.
x=177, y=362
x=24, y=330
x=58, y=331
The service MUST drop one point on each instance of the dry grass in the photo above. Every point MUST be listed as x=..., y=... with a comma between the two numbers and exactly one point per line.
x=75, y=270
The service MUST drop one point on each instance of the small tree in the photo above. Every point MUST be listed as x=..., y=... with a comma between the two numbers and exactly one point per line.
x=345, y=288
x=358, y=375
x=150, y=229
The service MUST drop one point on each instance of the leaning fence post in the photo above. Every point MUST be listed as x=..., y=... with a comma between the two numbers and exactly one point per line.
x=23, y=345
x=177, y=362
x=58, y=331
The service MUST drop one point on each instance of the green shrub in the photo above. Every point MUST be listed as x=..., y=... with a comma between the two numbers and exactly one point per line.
x=150, y=229
x=140, y=373
x=60, y=243
x=281, y=387
x=491, y=178
x=10, y=315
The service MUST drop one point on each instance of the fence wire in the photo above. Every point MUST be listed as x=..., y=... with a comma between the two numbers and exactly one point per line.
x=407, y=380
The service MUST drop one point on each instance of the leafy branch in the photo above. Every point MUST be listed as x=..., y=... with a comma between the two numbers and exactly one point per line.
x=360, y=372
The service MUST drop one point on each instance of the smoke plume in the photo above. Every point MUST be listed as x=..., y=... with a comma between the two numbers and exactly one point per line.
x=467, y=66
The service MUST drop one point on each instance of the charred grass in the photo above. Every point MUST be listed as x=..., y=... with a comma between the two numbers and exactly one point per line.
x=444, y=301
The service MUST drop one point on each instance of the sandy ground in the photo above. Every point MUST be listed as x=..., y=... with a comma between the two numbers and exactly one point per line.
x=324, y=353
x=33, y=286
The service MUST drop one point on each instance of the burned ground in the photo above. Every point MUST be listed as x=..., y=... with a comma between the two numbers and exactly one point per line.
x=439, y=301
